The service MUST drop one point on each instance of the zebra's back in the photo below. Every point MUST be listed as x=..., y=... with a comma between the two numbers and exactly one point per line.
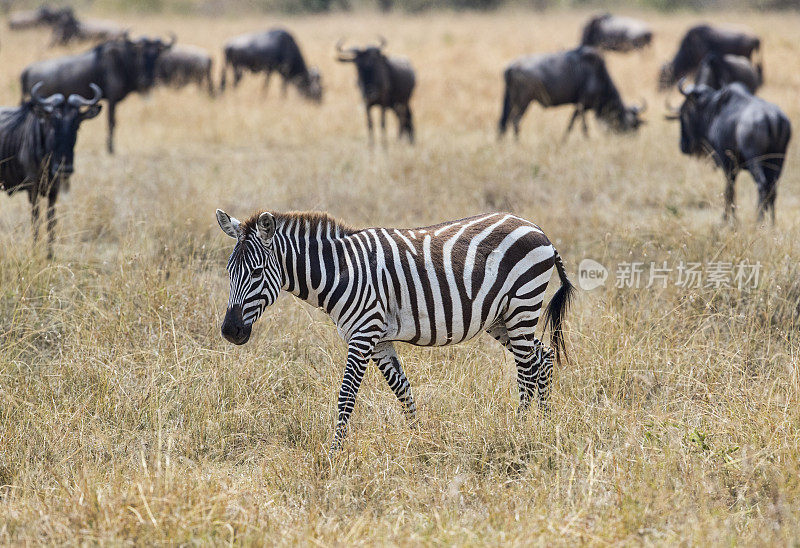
x=446, y=283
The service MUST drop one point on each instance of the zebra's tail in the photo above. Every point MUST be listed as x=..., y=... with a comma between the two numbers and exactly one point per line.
x=557, y=309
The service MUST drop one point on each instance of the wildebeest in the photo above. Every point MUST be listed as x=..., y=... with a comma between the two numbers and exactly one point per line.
x=272, y=51
x=183, y=65
x=118, y=66
x=698, y=42
x=717, y=71
x=386, y=82
x=616, y=33
x=577, y=77
x=739, y=130
x=68, y=28
x=37, y=142
x=43, y=16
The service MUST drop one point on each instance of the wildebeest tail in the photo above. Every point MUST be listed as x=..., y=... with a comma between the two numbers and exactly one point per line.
x=557, y=309
x=506, y=103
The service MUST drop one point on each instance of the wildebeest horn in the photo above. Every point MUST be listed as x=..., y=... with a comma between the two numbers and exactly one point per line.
x=641, y=108
x=172, y=39
x=76, y=100
x=51, y=101
x=381, y=42
x=681, y=88
x=343, y=53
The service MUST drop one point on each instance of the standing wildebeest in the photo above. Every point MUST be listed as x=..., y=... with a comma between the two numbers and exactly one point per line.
x=43, y=16
x=698, y=42
x=119, y=67
x=183, y=65
x=37, y=142
x=615, y=33
x=739, y=130
x=387, y=82
x=271, y=51
x=576, y=77
x=68, y=28
x=717, y=71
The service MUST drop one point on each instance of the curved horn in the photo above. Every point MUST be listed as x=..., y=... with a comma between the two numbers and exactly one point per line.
x=172, y=39
x=643, y=106
x=339, y=44
x=344, y=53
x=681, y=88
x=381, y=42
x=51, y=101
x=76, y=100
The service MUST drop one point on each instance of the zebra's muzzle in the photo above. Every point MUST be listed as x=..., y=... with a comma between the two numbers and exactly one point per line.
x=233, y=328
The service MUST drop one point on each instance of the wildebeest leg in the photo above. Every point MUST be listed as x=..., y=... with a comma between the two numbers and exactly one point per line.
x=223, y=76
x=584, y=127
x=384, y=139
x=237, y=75
x=209, y=81
x=369, y=127
x=51, y=218
x=408, y=123
x=112, y=122
x=730, y=196
x=765, y=188
x=572, y=119
x=519, y=111
x=33, y=197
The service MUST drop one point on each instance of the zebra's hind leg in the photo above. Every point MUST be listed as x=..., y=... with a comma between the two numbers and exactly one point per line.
x=387, y=361
x=534, y=364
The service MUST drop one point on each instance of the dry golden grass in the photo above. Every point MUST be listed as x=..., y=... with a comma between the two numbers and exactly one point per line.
x=125, y=417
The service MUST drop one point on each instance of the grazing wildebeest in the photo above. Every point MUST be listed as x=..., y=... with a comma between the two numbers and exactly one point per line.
x=37, y=142
x=386, y=82
x=118, y=66
x=68, y=28
x=43, y=16
x=698, y=42
x=616, y=33
x=183, y=65
x=272, y=51
x=739, y=130
x=717, y=71
x=577, y=77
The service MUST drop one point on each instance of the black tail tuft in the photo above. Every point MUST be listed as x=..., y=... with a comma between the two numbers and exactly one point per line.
x=556, y=310
x=506, y=104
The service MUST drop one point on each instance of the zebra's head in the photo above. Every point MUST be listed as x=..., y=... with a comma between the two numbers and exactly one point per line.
x=255, y=273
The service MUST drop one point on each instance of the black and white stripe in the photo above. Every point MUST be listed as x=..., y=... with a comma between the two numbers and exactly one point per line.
x=430, y=286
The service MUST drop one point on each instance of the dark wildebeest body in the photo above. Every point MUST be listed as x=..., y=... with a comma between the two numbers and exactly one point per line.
x=717, y=71
x=68, y=28
x=183, y=65
x=385, y=82
x=739, y=130
x=615, y=33
x=119, y=67
x=271, y=51
x=698, y=42
x=44, y=16
x=37, y=142
x=578, y=77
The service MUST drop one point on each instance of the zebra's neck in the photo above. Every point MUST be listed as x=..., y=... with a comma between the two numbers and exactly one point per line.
x=310, y=249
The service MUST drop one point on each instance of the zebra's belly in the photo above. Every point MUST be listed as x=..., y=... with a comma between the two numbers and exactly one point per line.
x=405, y=326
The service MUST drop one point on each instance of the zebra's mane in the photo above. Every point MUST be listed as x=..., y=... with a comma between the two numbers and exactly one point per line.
x=313, y=219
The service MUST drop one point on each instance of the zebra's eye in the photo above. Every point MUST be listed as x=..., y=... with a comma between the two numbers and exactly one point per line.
x=257, y=273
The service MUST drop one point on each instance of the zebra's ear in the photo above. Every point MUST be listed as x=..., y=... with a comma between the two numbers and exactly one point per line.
x=266, y=227
x=228, y=224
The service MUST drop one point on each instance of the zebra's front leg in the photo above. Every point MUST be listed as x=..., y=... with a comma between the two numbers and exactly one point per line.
x=359, y=352
x=385, y=357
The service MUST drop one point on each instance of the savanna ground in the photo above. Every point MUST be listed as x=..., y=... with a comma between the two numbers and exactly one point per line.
x=125, y=416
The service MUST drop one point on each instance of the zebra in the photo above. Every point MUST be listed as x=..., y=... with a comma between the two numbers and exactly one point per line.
x=430, y=286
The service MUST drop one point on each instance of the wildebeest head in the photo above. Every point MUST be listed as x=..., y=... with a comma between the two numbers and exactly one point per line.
x=371, y=65
x=310, y=85
x=63, y=118
x=690, y=116
x=146, y=51
x=628, y=119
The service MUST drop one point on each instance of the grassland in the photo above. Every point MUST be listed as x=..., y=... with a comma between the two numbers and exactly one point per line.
x=125, y=417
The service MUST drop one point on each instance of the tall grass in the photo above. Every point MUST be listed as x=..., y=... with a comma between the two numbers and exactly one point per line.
x=125, y=416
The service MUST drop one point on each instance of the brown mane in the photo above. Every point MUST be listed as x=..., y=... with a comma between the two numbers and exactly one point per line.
x=313, y=218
